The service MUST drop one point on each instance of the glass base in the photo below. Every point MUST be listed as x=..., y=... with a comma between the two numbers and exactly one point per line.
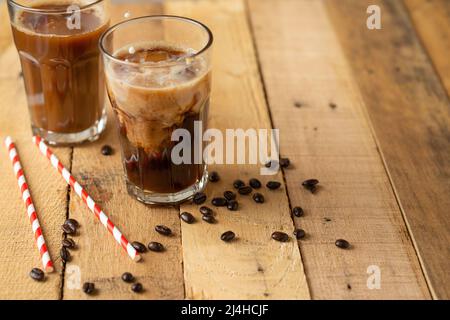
x=167, y=198
x=61, y=139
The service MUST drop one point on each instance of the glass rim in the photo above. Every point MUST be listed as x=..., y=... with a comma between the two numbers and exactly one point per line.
x=50, y=11
x=149, y=17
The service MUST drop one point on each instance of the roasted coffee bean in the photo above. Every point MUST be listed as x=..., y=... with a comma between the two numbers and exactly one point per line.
x=107, y=150
x=64, y=254
x=310, y=183
x=165, y=231
x=199, y=198
x=284, y=162
x=140, y=247
x=299, y=233
x=73, y=223
x=127, y=277
x=280, y=236
x=229, y=195
x=227, y=236
x=137, y=287
x=213, y=176
x=232, y=205
x=37, y=274
x=341, y=243
x=297, y=211
x=219, y=202
x=68, y=243
x=155, y=246
x=245, y=190
x=332, y=105
x=272, y=185
x=206, y=211
x=187, y=217
x=209, y=219
x=255, y=183
x=88, y=287
x=67, y=229
x=258, y=198
x=238, y=183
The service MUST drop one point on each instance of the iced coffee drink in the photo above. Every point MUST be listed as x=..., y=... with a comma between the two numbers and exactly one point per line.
x=157, y=85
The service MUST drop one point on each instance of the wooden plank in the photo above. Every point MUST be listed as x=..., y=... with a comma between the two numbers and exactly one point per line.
x=254, y=266
x=99, y=259
x=5, y=35
x=303, y=64
x=409, y=110
x=431, y=20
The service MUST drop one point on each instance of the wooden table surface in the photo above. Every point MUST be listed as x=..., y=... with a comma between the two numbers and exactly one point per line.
x=382, y=156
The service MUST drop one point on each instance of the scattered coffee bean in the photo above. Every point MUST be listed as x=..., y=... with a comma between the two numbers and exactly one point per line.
x=67, y=229
x=299, y=233
x=284, y=162
x=272, y=185
x=280, y=236
x=310, y=183
x=332, y=105
x=258, y=198
x=271, y=163
x=233, y=205
x=312, y=189
x=165, y=231
x=187, y=217
x=199, y=198
x=206, y=211
x=68, y=243
x=155, y=246
x=229, y=195
x=238, y=183
x=245, y=190
x=341, y=243
x=209, y=219
x=219, y=202
x=107, y=150
x=73, y=223
x=127, y=277
x=297, y=211
x=227, y=236
x=88, y=287
x=137, y=287
x=255, y=183
x=64, y=254
x=37, y=274
x=298, y=104
x=140, y=247
x=213, y=176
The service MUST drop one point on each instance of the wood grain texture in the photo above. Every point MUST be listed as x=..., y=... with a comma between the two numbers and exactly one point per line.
x=303, y=64
x=409, y=111
x=254, y=266
x=431, y=20
x=5, y=34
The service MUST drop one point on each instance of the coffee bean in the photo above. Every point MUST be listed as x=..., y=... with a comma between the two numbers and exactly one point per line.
x=187, y=217
x=88, y=287
x=238, y=183
x=298, y=104
x=107, y=150
x=280, y=236
x=67, y=229
x=269, y=163
x=245, y=190
x=68, y=243
x=64, y=254
x=255, y=183
x=332, y=105
x=155, y=246
x=37, y=274
x=272, y=185
x=206, y=211
x=284, y=162
x=297, y=211
x=258, y=198
x=213, y=176
x=310, y=183
x=299, y=233
x=209, y=219
x=127, y=277
x=73, y=223
x=341, y=243
x=312, y=189
x=137, y=287
x=219, y=202
x=232, y=205
x=165, y=231
x=140, y=247
x=227, y=236
x=199, y=198
x=229, y=195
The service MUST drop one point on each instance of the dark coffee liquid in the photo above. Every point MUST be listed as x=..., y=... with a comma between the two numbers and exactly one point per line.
x=61, y=68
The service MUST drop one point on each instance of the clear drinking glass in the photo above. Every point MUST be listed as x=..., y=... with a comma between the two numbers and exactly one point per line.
x=57, y=41
x=158, y=80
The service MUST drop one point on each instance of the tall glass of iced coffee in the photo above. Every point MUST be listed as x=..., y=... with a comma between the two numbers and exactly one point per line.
x=57, y=41
x=158, y=80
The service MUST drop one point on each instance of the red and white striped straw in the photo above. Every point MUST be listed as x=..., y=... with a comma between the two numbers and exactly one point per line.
x=79, y=190
x=26, y=196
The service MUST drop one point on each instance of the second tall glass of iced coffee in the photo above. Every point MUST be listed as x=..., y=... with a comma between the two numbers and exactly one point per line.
x=158, y=80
